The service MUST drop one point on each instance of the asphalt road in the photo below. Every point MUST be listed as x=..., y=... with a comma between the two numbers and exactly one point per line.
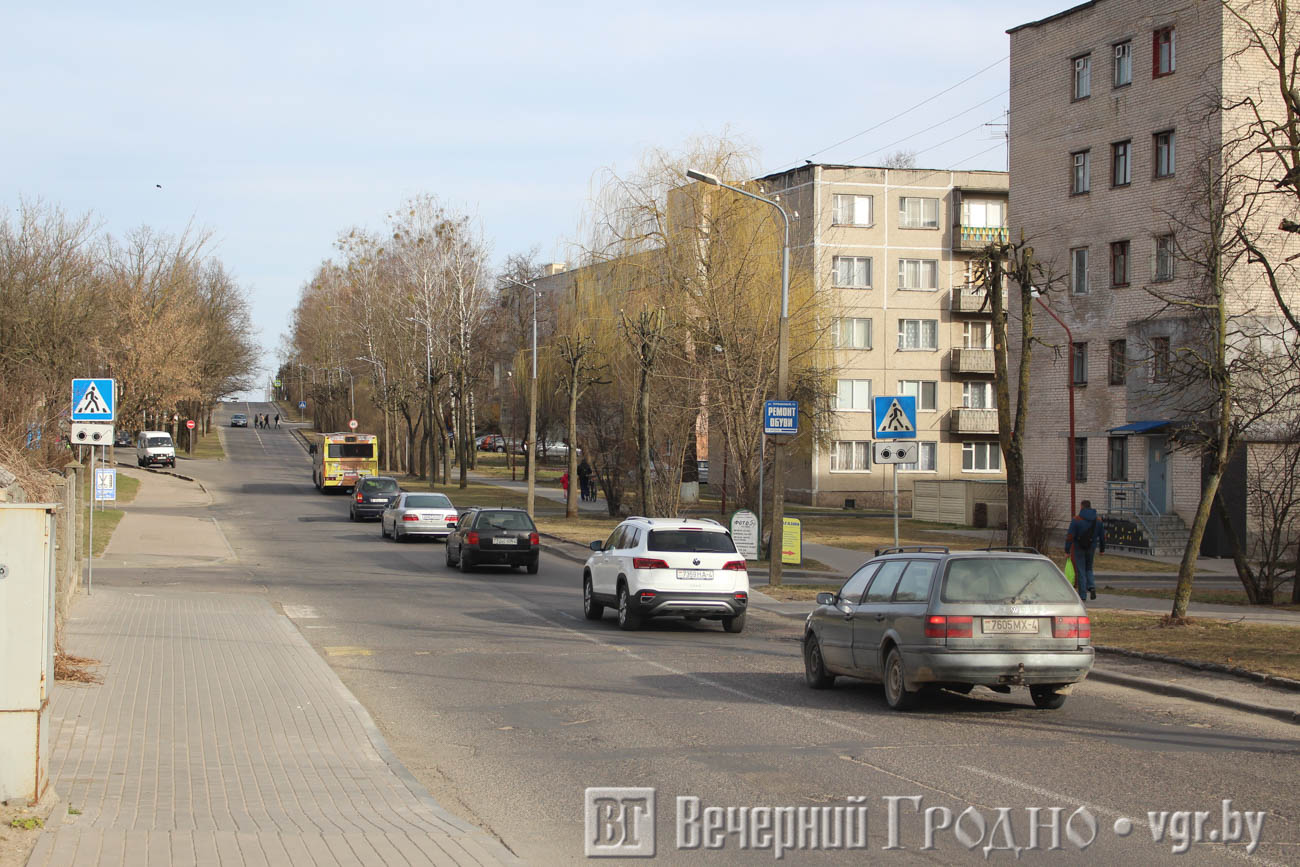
x=506, y=704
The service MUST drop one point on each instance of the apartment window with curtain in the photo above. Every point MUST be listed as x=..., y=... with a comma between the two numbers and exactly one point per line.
x=1164, y=148
x=1081, y=459
x=1121, y=169
x=918, y=334
x=1079, y=271
x=927, y=454
x=851, y=210
x=977, y=395
x=1079, y=362
x=918, y=213
x=1160, y=359
x=985, y=457
x=924, y=390
x=1082, y=76
x=1117, y=460
x=1162, y=52
x=977, y=335
x=853, y=395
x=851, y=272
x=851, y=456
x=918, y=273
x=1119, y=263
x=1081, y=180
x=1164, y=257
x=852, y=333
x=984, y=213
x=1123, y=64
x=1117, y=368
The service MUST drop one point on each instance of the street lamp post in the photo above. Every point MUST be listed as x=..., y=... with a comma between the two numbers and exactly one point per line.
x=775, y=546
x=532, y=408
x=1069, y=385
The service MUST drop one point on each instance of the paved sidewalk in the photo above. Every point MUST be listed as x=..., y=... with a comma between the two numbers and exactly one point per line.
x=545, y=491
x=219, y=736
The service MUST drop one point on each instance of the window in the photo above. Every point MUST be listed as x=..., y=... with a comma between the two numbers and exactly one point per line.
x=917, y=213
x=1082, y=172
x=926, y=459
x=977, y=335
x=1081, y=459
x=977, y=395
x=981, y=457
x=1160, y=359
x=883, y=587
x=1119, y=263
x=1164, y=147
x=852, y=333
x=1083, y=76
x=923, y=390
x=984, y=213
x=1079, y=271
x=914, y=586
x=1165, y=257
x=918, y=274
x=918, y=334
x=1117, y=460
x=1162, y=52
x=1079, y=362
x=851, y=210
x=853, y=395
x=1118, y=367
x=853, y=588
x=852, y=272
x=1123, y=64
x=689, y=542
x=1121, y=158
x=851, y=456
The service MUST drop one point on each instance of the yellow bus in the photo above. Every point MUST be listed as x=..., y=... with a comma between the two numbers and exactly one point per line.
x=342, y=458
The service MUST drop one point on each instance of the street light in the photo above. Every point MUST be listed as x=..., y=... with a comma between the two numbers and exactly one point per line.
x=532, y=407
x=1069, y=384
x=782, y=377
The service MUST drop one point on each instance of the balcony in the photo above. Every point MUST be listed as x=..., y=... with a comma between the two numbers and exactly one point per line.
x=971, y=238
x=968, y=300
x=973, y=421
x=972, y=361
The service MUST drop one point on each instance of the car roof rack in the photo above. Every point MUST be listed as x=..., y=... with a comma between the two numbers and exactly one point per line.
x=913, y=549
x=1022, y=549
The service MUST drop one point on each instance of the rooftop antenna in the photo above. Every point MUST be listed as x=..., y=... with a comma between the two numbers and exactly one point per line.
x=1002, y=129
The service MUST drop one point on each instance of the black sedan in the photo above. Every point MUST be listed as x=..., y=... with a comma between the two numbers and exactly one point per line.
x=500, y=537
x=370, y=496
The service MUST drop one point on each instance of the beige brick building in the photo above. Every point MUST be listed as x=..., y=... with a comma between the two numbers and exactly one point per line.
x=1110, y=113
x=894, y=247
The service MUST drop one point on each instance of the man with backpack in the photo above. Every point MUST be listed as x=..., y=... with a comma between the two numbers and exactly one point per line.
x=1085, y=537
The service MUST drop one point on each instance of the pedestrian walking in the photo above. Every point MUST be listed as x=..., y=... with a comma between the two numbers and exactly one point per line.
x=585, y=488
x=277, y=419
x=1084, y=539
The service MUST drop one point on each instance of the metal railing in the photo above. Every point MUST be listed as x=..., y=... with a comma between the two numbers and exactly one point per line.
x=1130, y=498
x=978, y=236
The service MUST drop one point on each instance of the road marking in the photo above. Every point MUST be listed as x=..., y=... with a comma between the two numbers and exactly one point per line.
x=300, y=612
x=348, y=650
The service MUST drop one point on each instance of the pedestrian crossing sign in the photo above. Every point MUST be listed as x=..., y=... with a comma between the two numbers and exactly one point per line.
x=895, y=417
x=93, y=399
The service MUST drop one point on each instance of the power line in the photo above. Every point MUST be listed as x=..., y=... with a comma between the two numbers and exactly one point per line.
x=931, y=127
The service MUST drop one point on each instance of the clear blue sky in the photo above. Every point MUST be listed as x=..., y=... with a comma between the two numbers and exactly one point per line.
x=277, y=126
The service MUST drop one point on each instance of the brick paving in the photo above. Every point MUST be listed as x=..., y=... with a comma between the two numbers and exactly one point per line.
x=219, y=736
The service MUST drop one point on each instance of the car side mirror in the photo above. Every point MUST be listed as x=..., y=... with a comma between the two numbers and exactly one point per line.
x=597, y=546
x=826, y=598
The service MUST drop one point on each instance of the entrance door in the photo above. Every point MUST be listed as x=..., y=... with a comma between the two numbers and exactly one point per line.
x=1158, y=473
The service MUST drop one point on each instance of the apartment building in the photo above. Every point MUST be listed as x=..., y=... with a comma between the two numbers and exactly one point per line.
x=1111, y=117
x=894, y=248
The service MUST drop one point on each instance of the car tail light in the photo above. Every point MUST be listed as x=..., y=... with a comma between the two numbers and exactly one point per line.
x=948, y=626
x=410, y=517
x=534, y=539
x=740, y=596
x=1071, y=627
x=360, y=498
x=735, y=566
x=471, y=538
x=648, y=563
x=646, y=596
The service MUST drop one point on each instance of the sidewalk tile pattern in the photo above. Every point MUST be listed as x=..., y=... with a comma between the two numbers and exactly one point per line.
x=219, y=736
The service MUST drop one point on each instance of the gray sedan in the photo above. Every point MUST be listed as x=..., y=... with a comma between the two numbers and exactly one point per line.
x=416, y=514
x=926, y=618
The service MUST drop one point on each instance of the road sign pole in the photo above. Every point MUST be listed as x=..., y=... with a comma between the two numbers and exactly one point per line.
x=90, y=555
x=895, y=505
x=762, y=461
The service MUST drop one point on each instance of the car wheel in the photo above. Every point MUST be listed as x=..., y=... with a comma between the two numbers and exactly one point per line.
x=463, y=561
x=591, y=609
x=352, y=516
x=627, y=618
x=734, y=624
x=447, y=552
x=896, y=693
x=533, y=566
x=398, y=535
x=1046, y=697
x=383, y=529
x=814, y=667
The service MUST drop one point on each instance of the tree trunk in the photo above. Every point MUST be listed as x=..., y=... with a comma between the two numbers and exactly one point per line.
x=571, y=501
x=462, y=433
x=1244, y=572
x=643, y=439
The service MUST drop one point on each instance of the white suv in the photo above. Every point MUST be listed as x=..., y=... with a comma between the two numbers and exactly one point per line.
x=667, y=567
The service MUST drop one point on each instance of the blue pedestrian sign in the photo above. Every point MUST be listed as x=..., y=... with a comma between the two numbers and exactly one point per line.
x=895, y=417
x=105, y=483
x=781, y=417
x=302, y=404
x=93, y=399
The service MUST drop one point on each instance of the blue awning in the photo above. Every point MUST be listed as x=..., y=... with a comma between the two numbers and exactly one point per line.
x=1138, y=427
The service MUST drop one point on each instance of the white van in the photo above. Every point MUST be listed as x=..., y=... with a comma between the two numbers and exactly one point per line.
x=155, y=447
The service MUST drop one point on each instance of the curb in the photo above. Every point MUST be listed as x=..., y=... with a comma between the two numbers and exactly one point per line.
x=1158, y=687
x=1218, y=668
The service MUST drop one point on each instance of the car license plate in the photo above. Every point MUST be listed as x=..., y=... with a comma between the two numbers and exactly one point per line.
x=1010, y=626
x=694, y=574
x=378, y=500
x=502, y=540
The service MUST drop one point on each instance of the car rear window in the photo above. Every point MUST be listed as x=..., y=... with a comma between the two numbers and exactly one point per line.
x=158, y=442
x=504, y=521
x=386, y=486
x=428, y=501
x=1005, y=580
x=690, y=541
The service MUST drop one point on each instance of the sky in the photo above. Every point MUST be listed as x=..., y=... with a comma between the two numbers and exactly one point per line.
x=277, y=127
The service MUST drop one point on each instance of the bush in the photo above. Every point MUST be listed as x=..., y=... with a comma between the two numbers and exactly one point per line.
x=1041, y=515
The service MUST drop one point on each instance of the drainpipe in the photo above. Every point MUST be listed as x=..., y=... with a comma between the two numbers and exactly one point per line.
x=1069, y=385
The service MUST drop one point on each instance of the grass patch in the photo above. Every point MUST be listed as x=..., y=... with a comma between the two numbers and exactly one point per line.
x=1207, y=597
x=1254, y=646
x=798, y=592
x=494, y=465
x=208, y=448
x=106, y=520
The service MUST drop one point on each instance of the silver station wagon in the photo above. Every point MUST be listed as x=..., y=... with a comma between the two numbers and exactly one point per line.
x=926, y=618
